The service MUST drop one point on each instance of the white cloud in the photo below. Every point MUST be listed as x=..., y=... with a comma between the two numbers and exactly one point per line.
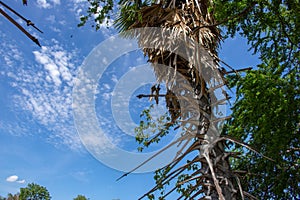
x=47, y=4
x=78, y=6
x=21, y=181
x=114, y=78
x=106, y=96
x=82, y=176
x=54, y=29
x=78, y=1
x=43, y=4
x=56, y=61
x=44, y=92
x=51, y=19
x=15, y=178
x=10, y=52
x=12, y=178
x=57, y=2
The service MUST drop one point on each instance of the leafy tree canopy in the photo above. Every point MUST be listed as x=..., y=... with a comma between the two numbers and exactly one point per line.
x=266, y=111
x=34, y=192
x=80, y=197
x=11, y=196
x=271, y=27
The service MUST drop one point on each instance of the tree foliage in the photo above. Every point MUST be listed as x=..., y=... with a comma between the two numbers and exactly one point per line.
x=34, y=192
x=3, y=198
x=11, y=196
x=100, y=10
x=266, y=115
x=266, y=111
x=271, y=28
x=80, y=197
x=126, y=12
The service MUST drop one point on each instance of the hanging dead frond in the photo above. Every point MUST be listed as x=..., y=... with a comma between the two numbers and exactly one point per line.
x=28, y=22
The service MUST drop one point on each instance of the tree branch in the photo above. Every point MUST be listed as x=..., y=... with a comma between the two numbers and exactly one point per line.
x=246, y=10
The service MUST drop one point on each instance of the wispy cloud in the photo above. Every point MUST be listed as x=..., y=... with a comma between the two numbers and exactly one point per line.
x=44, y=91
x=43, y=4
x=15, y=178
x=47, y=3
x=82, y=176
x=15, y=128
x=10, y=52
x=78, y=7
x=21, y=181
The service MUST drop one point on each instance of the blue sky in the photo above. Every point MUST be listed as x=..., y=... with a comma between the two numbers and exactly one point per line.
x=38, y=138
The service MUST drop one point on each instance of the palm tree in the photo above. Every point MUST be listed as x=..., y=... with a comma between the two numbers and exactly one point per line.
x=193, y=20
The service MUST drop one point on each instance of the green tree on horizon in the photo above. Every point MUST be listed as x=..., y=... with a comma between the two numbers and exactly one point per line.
x=34, y=191
x=81, y=197
x=11, y=196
